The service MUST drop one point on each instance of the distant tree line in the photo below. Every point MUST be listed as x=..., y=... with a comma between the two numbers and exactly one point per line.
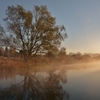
x=7, y=52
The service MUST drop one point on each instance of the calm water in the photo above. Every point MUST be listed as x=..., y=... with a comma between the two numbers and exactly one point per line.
x=73, y=82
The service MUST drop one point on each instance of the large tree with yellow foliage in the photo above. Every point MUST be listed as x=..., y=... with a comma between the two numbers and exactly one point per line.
x=33, y=32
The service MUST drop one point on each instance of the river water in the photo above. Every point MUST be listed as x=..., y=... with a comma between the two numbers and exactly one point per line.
x=67, y=82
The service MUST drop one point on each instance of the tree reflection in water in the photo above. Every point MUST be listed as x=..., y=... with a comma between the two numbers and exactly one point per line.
x=37, y=86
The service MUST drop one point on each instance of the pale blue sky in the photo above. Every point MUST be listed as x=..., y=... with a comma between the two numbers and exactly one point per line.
x=80, y=17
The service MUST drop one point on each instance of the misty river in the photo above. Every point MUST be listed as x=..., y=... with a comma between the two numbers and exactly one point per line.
x=67, y=82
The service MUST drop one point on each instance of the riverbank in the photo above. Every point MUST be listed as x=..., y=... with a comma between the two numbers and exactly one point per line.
x=15, y=63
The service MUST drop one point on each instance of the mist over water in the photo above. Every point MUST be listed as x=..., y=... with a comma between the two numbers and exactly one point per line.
x=66, y=82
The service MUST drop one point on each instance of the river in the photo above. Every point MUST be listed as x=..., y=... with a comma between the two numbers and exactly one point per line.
x=67, y=82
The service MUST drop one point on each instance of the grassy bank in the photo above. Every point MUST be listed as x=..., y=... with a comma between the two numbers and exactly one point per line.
x=41, y=61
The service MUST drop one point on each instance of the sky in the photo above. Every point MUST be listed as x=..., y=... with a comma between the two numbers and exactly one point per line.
x=81, y=19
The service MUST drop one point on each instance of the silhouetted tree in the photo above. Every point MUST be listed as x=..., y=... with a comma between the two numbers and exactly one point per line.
x=4, y=38
x=6, y=52
x=35, y=32
x=12, y=52
x=52, y=53
x=1, y=51
x=62, y=51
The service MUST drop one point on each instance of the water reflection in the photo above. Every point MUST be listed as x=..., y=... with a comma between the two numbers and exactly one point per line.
x=37, y=86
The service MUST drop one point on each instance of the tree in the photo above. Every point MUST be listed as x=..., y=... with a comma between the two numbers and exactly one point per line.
x=1, y=51
x=2, y=33
x=4, y=39
x=52, y=53
x=6, y=52
x=12, y=52
x=62, y=51
x=33, y=32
